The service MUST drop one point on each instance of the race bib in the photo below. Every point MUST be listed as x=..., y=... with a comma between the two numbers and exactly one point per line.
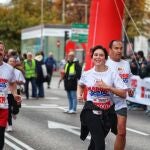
x=103, y=104
x=2, y=98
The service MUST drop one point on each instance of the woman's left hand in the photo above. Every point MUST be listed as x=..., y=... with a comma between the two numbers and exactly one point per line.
x=103, y=85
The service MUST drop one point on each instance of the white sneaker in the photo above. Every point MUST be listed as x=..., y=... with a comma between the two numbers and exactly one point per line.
x=9, y=129
x=66, y=111
x=72, y=112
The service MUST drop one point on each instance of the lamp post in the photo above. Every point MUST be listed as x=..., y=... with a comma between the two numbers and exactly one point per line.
x=63, y=11
x=42, y=45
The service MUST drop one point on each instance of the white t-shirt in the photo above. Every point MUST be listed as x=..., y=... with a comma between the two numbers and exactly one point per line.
x=6, y=76
x=19, y=76
x=123, y=69
x=97, y=95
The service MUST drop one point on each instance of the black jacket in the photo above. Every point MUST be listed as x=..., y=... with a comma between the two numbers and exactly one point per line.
x=109, y=120
x=70, y=82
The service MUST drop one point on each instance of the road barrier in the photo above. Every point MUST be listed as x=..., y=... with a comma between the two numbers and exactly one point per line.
x=141, y=90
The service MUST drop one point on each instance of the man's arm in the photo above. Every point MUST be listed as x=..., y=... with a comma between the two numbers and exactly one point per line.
x=13, y=89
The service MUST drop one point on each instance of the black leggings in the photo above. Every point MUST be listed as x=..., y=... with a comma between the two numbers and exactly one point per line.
x=2, y=133
x=13, y=107
x=95, y=126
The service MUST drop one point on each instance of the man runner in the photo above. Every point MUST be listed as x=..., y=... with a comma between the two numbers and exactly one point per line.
x=123, y=68
x=7, y=78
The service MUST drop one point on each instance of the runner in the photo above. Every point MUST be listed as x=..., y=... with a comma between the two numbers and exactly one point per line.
x=13, y=106
x=121, y=67
x=7, y=77
x=98, y=115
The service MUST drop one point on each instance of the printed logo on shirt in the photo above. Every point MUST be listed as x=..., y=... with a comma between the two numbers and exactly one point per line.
x=3, y=83
x=98, y=92
x=100, y=97
x=2, y=98
x=120, y=68
x=124, y=77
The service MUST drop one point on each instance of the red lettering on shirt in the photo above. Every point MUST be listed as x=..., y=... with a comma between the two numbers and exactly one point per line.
x=2, y=100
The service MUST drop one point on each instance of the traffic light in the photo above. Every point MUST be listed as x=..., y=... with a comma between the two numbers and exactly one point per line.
x=66, y=36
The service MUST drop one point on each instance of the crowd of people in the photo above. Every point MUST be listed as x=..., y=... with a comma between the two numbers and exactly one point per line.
x=16, y=74
x=106, y=83
x=140, y=66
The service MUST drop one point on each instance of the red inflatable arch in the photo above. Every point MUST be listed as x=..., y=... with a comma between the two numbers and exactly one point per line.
x=105, y=24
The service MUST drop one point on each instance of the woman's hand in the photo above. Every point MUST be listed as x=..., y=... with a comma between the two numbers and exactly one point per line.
x=80, y=97
x=103, y=85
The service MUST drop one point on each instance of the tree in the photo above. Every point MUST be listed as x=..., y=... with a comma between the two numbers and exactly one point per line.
x=27, y=13
x=137, y=20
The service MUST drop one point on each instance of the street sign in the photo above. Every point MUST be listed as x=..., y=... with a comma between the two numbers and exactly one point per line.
x=79, y=33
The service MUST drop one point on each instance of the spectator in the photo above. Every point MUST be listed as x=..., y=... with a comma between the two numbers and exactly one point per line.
x=145, y=69
x=141, y=58
x=40, y=77
x=134, y=64
x=50, y=63
x=71, y=76
x=142, y=63
x=30, y=75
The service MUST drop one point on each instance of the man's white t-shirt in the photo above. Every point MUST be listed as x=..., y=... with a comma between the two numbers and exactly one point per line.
x=6, y=76
x=19, y=76
x=94, y=93
x=123, y=69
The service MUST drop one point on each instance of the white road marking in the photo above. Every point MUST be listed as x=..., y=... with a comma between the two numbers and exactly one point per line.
x=12, y=145
x=44, y=106
x=138, y=132
x=54, y=98
x=69, y=128
x=18, y=142
x=51, y=105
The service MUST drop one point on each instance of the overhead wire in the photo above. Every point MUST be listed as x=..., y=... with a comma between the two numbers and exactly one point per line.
x=123, y=26
x=127, y=10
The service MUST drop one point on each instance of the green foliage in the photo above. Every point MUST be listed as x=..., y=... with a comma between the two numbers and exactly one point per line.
x=26, y=13
x=138, y=23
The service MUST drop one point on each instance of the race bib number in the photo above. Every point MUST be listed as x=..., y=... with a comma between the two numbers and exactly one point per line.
x=103, y=104
x=2, y=98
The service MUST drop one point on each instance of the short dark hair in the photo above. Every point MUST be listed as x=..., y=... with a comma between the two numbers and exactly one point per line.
x=141, y=53
x=111, y=43
x=99, y=47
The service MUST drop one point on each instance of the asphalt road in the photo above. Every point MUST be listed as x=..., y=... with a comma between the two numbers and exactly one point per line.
x=43, y=125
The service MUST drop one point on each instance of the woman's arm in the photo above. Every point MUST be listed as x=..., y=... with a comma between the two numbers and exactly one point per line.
x=80, y=91
x=117, y=91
